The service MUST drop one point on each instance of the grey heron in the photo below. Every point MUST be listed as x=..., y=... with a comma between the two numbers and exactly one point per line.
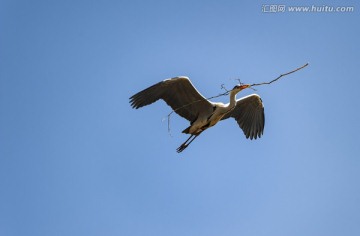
x=186, y=101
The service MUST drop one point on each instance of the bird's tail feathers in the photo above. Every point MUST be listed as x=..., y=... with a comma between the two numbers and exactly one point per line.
x=187, y=130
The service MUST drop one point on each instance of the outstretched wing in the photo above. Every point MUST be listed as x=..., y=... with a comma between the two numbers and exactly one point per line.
x=249, y=114
x=178, y=93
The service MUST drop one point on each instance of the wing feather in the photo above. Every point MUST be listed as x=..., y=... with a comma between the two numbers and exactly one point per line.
x=249, y=114
x=178, y=93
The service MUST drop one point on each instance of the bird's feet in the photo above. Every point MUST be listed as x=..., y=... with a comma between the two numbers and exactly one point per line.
x=182, y=147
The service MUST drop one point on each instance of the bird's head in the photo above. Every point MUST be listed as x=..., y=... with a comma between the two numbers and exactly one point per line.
x=240, y=87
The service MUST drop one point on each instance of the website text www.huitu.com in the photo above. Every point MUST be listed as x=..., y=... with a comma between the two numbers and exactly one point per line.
x=278, y=8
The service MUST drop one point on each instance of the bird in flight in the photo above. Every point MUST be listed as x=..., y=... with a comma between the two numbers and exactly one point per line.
x=186, y=101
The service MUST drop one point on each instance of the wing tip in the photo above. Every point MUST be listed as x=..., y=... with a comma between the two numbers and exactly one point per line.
x=180, y=77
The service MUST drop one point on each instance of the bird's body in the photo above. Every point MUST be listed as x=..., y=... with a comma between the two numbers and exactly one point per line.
x=207, y=120
x=186, y=101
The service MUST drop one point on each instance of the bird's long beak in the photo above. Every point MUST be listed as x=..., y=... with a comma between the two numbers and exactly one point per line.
x=244, y=86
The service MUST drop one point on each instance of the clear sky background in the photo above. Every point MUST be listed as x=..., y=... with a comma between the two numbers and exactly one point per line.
x=77, y=160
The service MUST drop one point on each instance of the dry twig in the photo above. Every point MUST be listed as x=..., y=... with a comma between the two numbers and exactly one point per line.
x=288, y=73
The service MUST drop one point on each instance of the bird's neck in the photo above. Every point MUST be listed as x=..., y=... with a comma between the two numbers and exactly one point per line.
x=232, y=99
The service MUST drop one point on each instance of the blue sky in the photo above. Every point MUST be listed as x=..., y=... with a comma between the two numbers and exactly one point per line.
x=77, y=160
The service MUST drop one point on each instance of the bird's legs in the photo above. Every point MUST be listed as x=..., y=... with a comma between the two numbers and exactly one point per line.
x=185, y=144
